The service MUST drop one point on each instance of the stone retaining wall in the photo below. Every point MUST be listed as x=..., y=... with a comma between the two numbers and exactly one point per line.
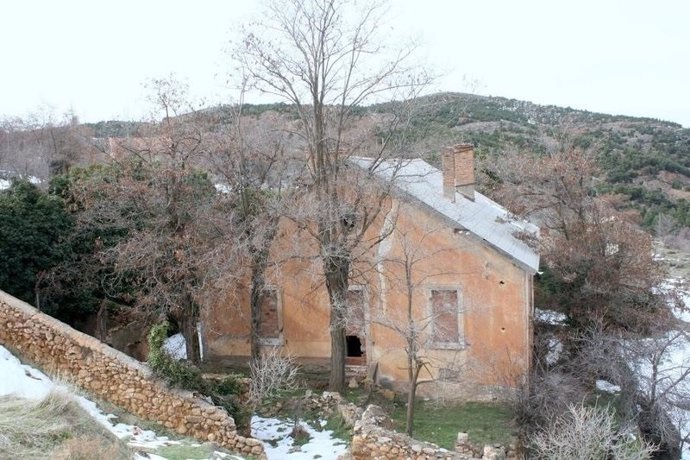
x=375, y=438
x=113, y=376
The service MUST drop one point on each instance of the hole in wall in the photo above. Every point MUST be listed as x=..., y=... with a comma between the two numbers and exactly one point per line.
x=354, y=346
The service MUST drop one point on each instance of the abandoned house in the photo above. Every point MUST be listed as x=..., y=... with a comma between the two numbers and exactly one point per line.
x=470, y=292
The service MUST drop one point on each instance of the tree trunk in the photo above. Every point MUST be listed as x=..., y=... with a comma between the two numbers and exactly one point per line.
x=411, y=397
x=102, y=321
x=255, y=298
x=188, y=327
x=259, y=265
x=338, y=348
x=337, y=270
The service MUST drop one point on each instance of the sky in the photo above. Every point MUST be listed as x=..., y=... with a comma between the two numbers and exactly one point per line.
x=93, y=57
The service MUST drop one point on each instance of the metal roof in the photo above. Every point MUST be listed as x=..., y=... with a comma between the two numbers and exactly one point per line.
x=482, y=217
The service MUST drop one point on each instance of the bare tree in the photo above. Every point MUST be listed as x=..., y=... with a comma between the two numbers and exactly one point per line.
x=407, y=270
x=661, y=372
x=327, y=59
x=153, y=209
x=649, y=375
x=587, y=432
x=597, y=261
x=43, y=145
x=251, y=165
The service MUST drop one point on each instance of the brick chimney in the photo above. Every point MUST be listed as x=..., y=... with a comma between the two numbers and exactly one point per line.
x=458, y=171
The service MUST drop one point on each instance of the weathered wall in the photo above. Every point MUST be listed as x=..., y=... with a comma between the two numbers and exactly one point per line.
x=494, y=317
x=113, y=376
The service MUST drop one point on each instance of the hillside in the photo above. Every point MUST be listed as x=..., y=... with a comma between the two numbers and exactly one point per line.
x=644, y=159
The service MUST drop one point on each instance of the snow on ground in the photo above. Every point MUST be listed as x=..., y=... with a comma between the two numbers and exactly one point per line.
x=554, y=318
x=21, y=380
x=26, y=382
x=175, y=346
x=222, y=188
x=6, y=182
x=607, y=387
x=278, y=444
x=677, y=358
x=680, y=287
x=555, y=348
x=669, y=376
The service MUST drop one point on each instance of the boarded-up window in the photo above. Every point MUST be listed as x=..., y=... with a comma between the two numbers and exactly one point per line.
x=270, y=321
x=444, y=311
x=355, y=312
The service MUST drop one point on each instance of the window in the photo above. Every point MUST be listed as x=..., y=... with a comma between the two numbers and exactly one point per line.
x=446, y=318
x=270, y=330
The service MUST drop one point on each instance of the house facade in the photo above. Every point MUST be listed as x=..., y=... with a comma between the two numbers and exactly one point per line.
x=454, y=273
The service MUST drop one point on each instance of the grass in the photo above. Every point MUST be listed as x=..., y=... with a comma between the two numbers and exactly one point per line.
x=55, y=427
x=336, y=423
x=486, y=423
x=186, y=451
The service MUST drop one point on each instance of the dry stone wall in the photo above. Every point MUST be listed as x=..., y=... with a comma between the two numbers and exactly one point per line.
x=374, y=438
x=113, y=376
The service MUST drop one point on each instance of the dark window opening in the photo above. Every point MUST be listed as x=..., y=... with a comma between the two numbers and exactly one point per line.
x=354, y=346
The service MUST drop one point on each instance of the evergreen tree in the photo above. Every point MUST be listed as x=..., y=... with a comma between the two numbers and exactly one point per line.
x=33, y=230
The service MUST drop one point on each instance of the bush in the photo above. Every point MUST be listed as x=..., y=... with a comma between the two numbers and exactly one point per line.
x=587, y=433
x=33, y=229
x=179, y=374
x=270, y=374
x=185, y=375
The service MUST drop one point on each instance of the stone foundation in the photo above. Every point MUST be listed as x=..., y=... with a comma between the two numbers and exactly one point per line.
x=113, y=376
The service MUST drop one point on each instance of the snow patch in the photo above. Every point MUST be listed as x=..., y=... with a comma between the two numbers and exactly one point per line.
x=278, y=444
x=607, y=387
x=26, y=382
x=21, y=380
x=555, y=348
x=175, y=346
x=222, y=188
x=554, y=318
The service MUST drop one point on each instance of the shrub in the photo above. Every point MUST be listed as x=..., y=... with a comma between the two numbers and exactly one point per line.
x=587, y=433
x=185, y=375
x=272, y=373
x=33, y=230
x=179, y=374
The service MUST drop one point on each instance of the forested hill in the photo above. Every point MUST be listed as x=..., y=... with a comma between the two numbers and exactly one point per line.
x=646, y=159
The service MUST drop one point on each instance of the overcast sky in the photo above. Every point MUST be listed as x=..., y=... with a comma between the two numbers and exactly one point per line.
x=622, y=57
